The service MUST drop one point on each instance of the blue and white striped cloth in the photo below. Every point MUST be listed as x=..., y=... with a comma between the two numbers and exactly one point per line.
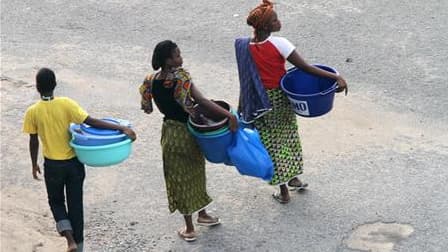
x=254, y=101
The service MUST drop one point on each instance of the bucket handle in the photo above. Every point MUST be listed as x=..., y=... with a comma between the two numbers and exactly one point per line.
x=332, y=89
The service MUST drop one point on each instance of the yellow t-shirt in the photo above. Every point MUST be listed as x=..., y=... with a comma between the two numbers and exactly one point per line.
x=50, y=120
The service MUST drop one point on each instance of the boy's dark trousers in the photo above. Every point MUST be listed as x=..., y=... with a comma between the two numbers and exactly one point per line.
x=69, y=175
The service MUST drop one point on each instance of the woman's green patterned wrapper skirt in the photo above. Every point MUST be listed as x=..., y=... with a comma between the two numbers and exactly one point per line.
x=184, y=169
x=279, y=133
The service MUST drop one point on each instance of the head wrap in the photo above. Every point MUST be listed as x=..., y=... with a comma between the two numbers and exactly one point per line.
x=261, y=15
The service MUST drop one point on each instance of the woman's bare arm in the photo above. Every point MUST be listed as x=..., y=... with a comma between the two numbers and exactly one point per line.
x=216, y=109
x=295, y=59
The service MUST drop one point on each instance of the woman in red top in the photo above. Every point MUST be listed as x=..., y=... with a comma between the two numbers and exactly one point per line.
x=278, y=128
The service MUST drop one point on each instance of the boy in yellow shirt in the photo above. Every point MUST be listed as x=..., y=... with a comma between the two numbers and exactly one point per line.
x=49, y=120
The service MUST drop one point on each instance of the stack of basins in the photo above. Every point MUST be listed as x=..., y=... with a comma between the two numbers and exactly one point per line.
x=212, y=132
x=100, y=147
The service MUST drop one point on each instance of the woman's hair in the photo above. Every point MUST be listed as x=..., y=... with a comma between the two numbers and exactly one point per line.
x=259, y=17
x=162, y=52
x=45, y=80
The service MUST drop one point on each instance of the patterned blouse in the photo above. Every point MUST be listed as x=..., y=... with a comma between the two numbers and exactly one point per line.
x=178, y=83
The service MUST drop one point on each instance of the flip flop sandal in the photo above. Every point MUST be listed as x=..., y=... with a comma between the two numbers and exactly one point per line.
x=302, y=187
x=279, y=199
x=209, y=223
x=186, y=237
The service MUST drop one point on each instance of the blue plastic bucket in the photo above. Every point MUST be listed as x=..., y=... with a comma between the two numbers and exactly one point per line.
x=82, y=138
x=104, y=155
x=214, y=147
x=203, y=120
x=310, y=95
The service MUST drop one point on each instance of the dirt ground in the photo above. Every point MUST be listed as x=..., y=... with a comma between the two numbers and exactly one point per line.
x=379, y=156
x=26, y=220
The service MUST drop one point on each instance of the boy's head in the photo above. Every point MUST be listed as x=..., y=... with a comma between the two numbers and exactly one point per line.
x=166, y=54
x=45, y=81
x=264, y=18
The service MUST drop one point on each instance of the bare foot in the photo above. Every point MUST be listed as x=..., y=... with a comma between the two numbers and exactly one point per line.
x=71, y=247
x=71, y=244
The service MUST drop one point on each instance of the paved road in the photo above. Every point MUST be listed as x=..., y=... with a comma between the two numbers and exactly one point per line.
x=380, y=156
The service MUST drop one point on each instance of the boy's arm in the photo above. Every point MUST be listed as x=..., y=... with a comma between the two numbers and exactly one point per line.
x=106, y=125
x=34, y=150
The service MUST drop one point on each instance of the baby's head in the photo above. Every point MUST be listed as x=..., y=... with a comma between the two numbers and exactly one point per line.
x=45, y=81
x=166, y=55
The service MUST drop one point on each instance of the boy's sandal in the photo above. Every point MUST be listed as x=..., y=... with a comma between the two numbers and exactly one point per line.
x=209, y=222
x=189, y=237
x=278, y=197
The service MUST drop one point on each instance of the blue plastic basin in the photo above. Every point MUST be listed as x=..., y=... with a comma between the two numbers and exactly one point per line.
x=214, y=147
x=104, y=155
x=310, y=95
x=82, y=138
x=102, y=132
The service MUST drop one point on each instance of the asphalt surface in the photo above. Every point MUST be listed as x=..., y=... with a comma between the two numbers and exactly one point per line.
x=380, y=156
